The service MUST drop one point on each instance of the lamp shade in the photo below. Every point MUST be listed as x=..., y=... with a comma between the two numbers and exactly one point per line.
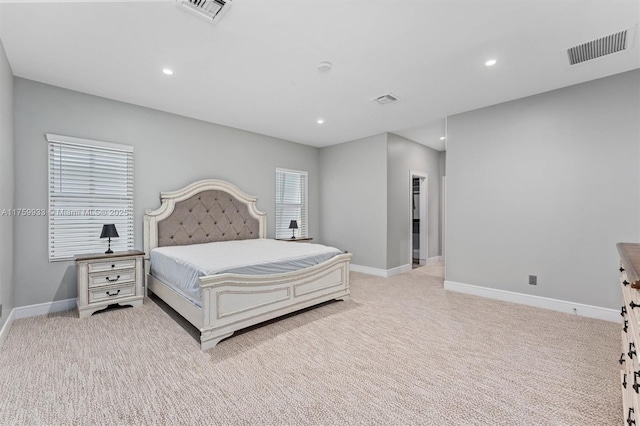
x=109, y=231
x=293, y=224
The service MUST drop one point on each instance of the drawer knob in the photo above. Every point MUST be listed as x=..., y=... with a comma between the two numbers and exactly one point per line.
x=621, y=269
x=113, y=266
x=625, y=283
x=633, y=304
x=621, y=360
x=632, y=350
x=113, y=294
x=630, y=421
x=113, y=280
x=636, y=385
x=624, y=381
x=626, y=325
x=623, y=311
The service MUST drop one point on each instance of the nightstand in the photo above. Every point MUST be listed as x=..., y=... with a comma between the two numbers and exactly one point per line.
x=107, y=279
x=296, y=240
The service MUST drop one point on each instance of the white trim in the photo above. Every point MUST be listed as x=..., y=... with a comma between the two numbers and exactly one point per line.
x=301, y=172
x=399, y=270
x=33, y=311
x=368, y=270
x=443, y=213
x=44, y=308
x=70, y=140
x=4, y=332
x=568, y=307
x=385, y=273
x=434, y=260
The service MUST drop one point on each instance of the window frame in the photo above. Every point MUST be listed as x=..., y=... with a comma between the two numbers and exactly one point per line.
x=303, y=222
x=115, y=205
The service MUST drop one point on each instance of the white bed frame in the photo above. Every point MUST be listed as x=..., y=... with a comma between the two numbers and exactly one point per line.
x=231, y=302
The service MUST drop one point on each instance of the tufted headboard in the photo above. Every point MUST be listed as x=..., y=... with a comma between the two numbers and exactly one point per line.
x=205, y=211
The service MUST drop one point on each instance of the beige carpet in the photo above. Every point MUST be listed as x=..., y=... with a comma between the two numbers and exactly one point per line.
x=401, y=351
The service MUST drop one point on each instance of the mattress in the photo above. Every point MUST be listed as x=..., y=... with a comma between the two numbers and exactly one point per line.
x=182, y=266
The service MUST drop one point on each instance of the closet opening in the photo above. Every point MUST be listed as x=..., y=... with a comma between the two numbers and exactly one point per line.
x=418, y=219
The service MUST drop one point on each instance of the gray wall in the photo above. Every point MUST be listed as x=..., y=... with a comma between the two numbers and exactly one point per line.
x=442, y=161
x=546, y=185
x=404, y=155
x=170, y=152
x=353, y=214
x=6, y=185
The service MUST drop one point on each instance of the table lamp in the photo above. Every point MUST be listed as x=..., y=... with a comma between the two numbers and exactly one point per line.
x=109, y=231
x=293, y=226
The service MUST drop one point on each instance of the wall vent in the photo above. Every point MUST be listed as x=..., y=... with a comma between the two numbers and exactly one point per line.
x=387, y=98
x=211, y=10
x=602, y=46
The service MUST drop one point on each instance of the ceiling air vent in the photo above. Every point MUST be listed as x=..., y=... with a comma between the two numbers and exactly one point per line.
x=601, y=47
x=387, y=98
x=212, y=10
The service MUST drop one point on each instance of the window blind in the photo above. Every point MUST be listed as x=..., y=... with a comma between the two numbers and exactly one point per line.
x=90, y=184
x=291, y=202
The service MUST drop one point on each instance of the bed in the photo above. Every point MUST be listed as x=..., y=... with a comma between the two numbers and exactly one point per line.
x=214, y=220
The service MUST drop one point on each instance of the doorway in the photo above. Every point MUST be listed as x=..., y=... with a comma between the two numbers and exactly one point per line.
x=418, y=248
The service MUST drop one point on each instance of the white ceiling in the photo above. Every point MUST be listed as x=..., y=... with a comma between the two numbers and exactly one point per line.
x=256, y=69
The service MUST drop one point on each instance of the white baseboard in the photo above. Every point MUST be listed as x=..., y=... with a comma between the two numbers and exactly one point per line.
x=43, y=308
x=399, y=270
x=536, y=301
x=34, y=310
x=380, y=272
x=4, y=332
x=368, y=270
x=430, y=261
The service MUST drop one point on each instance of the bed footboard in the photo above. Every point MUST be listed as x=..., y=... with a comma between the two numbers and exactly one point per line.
x=231, y=302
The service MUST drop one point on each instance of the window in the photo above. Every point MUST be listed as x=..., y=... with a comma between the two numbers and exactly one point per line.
x=90, y=184
x=291, y=202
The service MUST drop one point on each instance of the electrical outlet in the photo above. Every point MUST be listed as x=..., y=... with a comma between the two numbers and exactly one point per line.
x=533, y=280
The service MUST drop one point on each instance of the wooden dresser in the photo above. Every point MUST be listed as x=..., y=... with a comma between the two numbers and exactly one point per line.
x=630, y=312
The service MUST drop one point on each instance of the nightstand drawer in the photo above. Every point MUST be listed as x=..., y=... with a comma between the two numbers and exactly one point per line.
x=111, y=278
x=111, y=293
x=113, y=265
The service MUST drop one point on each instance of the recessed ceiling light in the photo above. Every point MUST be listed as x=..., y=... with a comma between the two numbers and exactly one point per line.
x=490, y=63
x=442, y=138
x=167, y=71
x=320, y=120
x=325, y=66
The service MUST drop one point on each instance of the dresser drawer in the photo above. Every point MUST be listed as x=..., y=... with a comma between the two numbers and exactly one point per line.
x=113, y=265
x=111, y=278
x=628, y=408
x=627, y=357
x=111, y=293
